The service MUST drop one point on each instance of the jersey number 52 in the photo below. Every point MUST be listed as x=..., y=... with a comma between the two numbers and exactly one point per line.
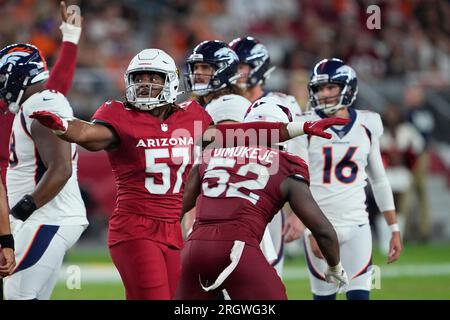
x=222, y=185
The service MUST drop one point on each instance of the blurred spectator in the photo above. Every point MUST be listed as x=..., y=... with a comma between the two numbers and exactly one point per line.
x=412, y=46
x=400, y=146
x=420, y=116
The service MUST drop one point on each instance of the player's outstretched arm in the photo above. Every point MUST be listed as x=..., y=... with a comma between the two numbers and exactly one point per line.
x=191, y=190
x=7, y=260
x=264, y=133
x=62, y=73
x=305, y=207
x=91, y=136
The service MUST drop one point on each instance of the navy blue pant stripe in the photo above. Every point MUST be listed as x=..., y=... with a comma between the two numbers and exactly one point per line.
x=38, y=246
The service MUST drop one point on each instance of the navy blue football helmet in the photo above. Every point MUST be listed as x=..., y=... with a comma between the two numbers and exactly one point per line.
x=250, y=51
x=224, y=61
x=21, y=65
x=337, y=72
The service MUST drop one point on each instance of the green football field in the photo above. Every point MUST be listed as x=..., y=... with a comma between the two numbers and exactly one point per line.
x=422, y=273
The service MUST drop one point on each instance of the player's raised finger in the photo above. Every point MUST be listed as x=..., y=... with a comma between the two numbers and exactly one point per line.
x=63, y=10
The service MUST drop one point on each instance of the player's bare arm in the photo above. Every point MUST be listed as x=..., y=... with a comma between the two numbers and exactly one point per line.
x=299, y=196
x=191, y=190
x=395, y=244
x=57, y=158
x=268, y=133
x=305, y=207
x=91, y=136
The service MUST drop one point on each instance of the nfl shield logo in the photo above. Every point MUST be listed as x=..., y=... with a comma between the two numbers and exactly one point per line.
x=164, y=127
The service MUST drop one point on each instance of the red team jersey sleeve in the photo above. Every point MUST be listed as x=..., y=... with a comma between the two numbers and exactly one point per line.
x=204, y=116
x=297, y=167
x=109, y=114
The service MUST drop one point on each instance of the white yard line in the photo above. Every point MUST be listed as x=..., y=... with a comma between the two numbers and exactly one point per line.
x=91, y=273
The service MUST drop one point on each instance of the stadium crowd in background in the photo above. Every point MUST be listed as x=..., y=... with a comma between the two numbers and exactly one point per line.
x=410, y=52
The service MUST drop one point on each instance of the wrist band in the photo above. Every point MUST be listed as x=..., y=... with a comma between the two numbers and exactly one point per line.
x=295, y=129
x=7, y=241
x=336, y=268
x=394, y=227
x=70, y=32
x=24, y=208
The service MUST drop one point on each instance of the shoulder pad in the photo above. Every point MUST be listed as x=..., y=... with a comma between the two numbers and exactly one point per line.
x=48, y=100
x=228, y=107
x=372, y=121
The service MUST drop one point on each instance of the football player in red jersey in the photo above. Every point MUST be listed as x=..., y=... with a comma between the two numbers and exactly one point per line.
x=237, y=191
x=149, y=140
x=60, y=79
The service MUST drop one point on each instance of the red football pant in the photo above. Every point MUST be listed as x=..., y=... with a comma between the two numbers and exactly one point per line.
x=254, y=278
x=149, y=270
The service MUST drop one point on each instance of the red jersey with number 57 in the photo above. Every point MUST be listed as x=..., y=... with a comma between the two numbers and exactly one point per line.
x=153, y=158
x=240, y=191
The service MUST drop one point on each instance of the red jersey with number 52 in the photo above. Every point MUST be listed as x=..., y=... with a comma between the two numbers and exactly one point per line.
x=240, y=191
x=153, y=157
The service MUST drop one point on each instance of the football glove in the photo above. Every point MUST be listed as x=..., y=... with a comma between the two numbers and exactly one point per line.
x=337, y=275
x=51, y=121
x=315, y=128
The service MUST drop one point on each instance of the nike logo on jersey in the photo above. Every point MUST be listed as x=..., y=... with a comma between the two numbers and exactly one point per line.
x=226, y=99
x=47, y=99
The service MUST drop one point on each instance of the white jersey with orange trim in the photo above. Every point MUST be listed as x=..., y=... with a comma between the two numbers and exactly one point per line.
x=339, y=168
x=26, y=167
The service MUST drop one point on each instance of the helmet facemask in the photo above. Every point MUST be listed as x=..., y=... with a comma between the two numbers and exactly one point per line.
x=142, y=94
x=199, y=88
x=317, y=103
x=214, y=83
x=151, y=62
x=221, y=58
x=332, y=71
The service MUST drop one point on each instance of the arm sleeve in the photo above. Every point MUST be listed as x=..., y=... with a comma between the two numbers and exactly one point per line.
x=266, y=133
x=62, y=73
x=298, y=169
x=377, y=177
x=109, y=115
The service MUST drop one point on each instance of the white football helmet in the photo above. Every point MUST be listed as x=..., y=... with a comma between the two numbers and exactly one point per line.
x=270, y=110
x=152, y=60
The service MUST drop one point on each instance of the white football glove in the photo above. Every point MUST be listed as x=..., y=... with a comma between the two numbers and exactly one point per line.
x=337, y=275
